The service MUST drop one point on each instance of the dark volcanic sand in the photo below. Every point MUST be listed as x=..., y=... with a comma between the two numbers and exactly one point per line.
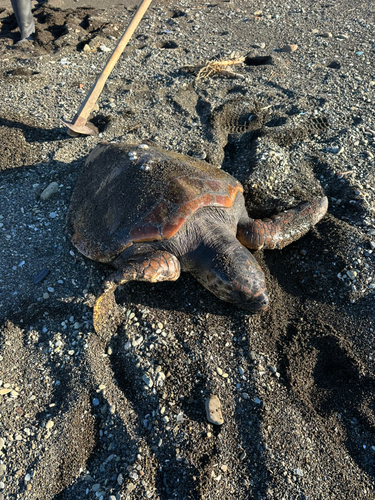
x=122, y=416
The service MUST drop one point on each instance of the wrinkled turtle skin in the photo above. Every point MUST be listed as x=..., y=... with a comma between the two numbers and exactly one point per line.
x=152, y=213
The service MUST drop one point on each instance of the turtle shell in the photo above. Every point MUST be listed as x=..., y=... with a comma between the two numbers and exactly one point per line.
x=127, y=194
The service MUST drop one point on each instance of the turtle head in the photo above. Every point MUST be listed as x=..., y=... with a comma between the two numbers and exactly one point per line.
x=233, y=275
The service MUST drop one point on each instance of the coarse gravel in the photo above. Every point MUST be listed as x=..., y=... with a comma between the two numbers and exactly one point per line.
x=122, y=415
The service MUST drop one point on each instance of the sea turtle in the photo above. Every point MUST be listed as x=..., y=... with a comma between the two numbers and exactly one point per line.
x=152, y=213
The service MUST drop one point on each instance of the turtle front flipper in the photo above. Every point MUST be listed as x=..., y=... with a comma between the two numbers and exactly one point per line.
x=153, y=267
x=282, y=229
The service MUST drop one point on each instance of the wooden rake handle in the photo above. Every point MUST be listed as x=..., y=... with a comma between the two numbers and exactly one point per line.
x=79, y=122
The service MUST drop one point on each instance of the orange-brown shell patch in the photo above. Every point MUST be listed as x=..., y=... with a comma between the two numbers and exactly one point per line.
x=171, y=227
x=223, y=201
x=187, y=209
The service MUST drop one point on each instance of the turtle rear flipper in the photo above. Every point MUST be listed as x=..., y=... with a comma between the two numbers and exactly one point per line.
x=153, y=267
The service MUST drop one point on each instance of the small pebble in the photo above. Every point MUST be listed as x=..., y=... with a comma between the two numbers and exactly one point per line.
x=50, y=424
x=261, y=45
x=352, y=274
x=289, y=48
x=95, y=402
x=148, y=381
x=104, y=48
x=160, y=378
x=40, y=277
x=213, y=410
x=137, y=342
x=253, y=356
x=327, y=34
x=298, y=472
x=49, y=191
x=133, y=475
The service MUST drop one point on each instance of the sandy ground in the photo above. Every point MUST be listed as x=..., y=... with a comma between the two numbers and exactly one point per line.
x=121, y=415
